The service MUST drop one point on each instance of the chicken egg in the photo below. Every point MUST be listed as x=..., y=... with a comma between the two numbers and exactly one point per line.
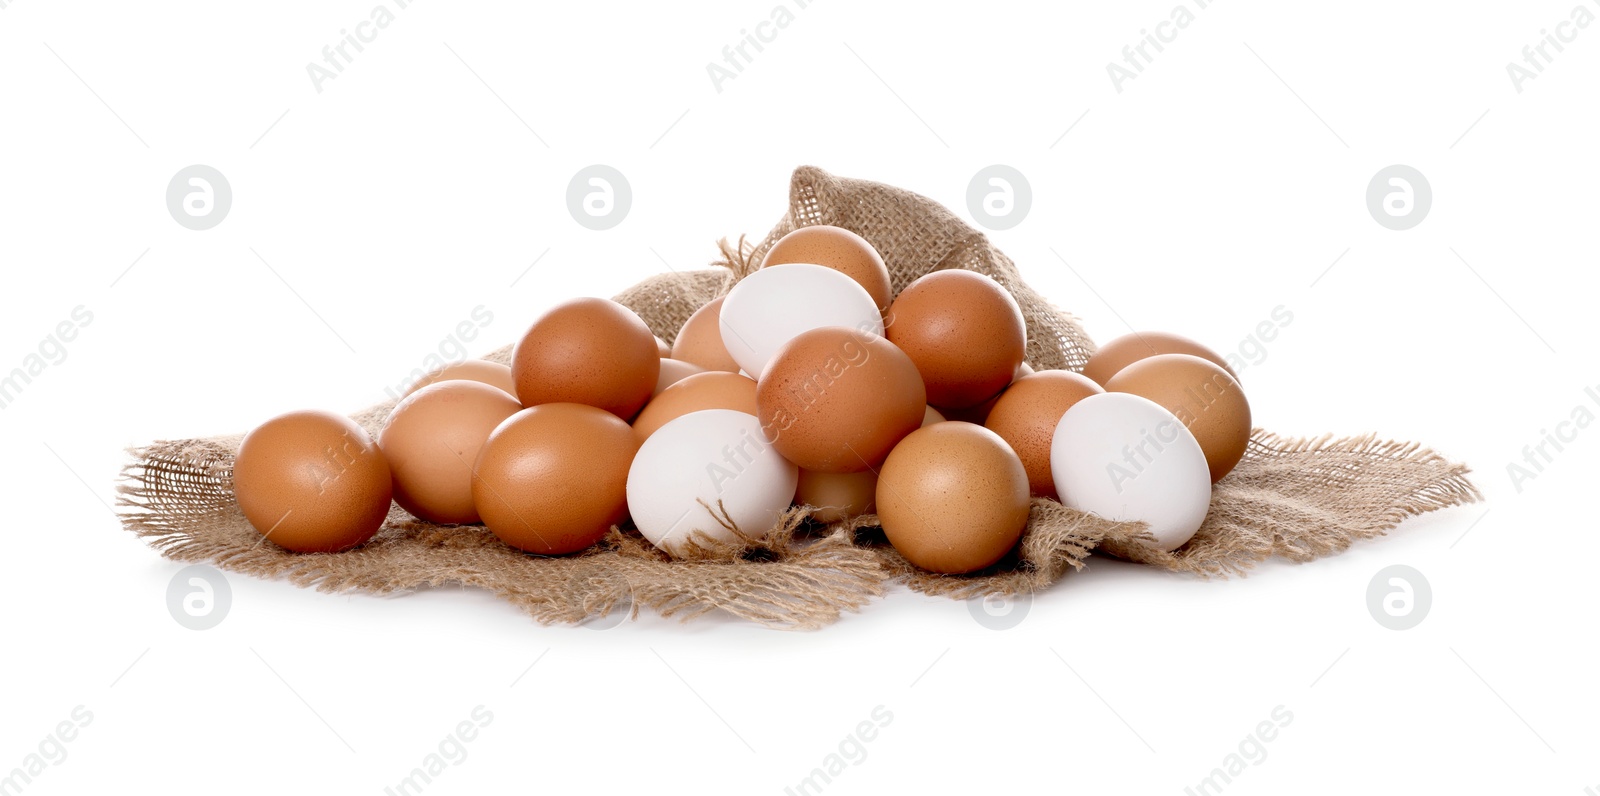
x=552, y=478
x=312, y=482
x=1130, y=348
x=840, y=249
x=964, y=332
x=837, y=400
x=431, y=441
x=713, y=389
x=1026, y=416
x=590, y=351
x=699, y=342
x=1122, y=457
x=493, y=374
x=771, y=306
x=672, y=372
x=952, y=497
x=714, y=460
x=837, y=496
x=1210, y=403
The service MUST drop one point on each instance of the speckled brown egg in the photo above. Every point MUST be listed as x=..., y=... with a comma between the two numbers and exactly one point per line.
x=432, y=439
x=953, y=497
x=1026, y=416
x=840, y=249
x=837, y=496
x=312, y=482
x=1130, y=348
x=700, y=340
x=713, y=389
x=836, y=399
x=964, y=332
x=1205, y=397
x=552, y=479
x=589, y=351
x=493, y=374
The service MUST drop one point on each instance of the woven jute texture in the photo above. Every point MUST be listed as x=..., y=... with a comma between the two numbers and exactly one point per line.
x=1297, y=499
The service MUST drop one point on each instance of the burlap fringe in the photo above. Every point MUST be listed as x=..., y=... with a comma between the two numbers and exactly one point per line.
x=183, y=506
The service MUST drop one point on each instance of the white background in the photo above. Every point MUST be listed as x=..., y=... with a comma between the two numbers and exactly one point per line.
x=1220, y=183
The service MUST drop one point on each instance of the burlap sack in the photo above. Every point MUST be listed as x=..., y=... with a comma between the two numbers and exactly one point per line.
x=1294, y=498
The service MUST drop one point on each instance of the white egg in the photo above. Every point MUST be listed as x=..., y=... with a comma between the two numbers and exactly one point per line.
x=1123, y=457
x=700, y=460
x=771, y=306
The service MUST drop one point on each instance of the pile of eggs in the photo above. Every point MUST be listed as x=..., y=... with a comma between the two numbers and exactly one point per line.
x=810, y=383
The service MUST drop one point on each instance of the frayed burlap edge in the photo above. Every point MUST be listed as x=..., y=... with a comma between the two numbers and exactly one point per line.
x=177, y=497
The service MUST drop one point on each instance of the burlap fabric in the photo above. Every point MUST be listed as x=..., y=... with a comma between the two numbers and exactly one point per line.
x=1298, y=499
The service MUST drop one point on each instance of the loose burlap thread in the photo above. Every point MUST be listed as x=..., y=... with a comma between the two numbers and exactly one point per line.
x=1298, y=499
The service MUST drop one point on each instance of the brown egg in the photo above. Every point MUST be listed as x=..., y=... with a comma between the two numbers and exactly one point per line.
x=713, y=389
x=589, y=351
x=930, y=416
x=662, y=348
x=953, y=497
x=837, y=399
x=837, y=496
x=672, y=372
x=1026, y=416
x=431, y=440
x=312, y=482
x=552, y=479
x=979, y=413
x=964, y=332
x=1204, y=396
x=493, y=374
x=700, y=340
x=1131, y=348
x=840, y=249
